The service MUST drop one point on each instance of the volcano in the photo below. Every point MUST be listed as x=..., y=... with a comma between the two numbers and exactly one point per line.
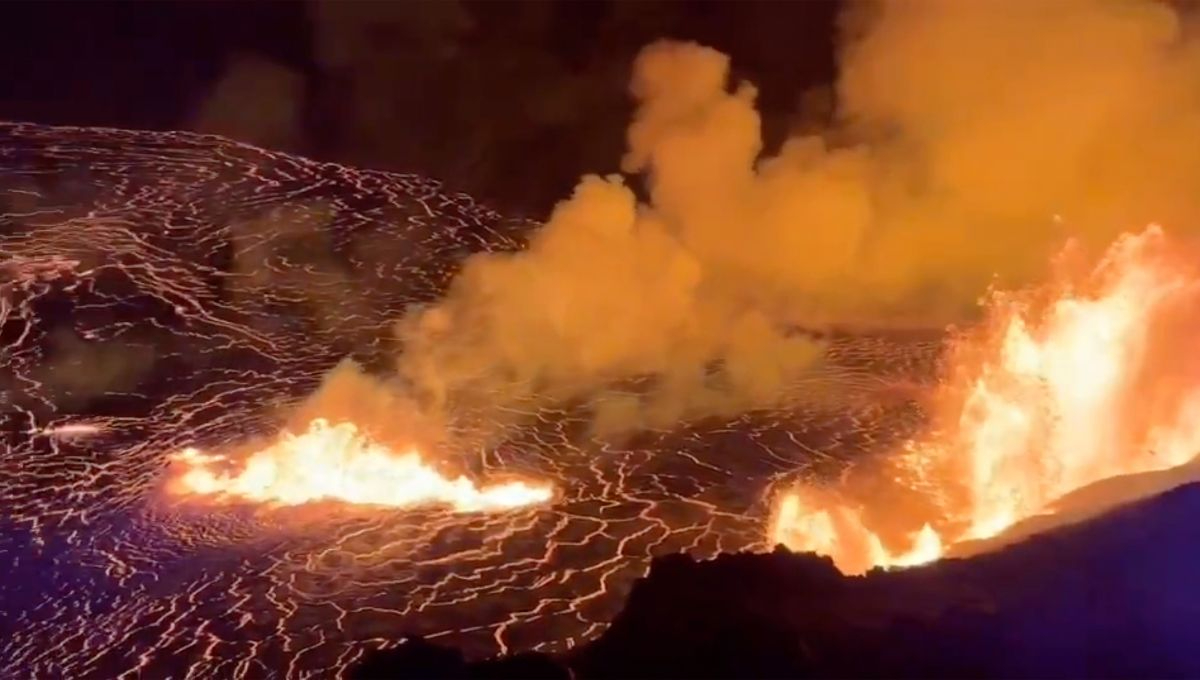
x=171, y=300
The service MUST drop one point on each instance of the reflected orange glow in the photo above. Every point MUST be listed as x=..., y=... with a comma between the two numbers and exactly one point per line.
x=337, y=462
x=1087, y=379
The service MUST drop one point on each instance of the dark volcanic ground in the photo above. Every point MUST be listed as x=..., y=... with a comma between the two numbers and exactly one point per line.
x=163, y=290
x=1111, y=598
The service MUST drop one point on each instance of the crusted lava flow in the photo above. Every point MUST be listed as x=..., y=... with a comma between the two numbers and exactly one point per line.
x=160, y=291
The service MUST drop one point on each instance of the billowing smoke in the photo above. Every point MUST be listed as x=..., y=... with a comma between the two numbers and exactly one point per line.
x=969, y=140
x=347, y=394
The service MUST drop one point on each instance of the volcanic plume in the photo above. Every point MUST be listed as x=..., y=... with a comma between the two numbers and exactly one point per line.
x=934, y=180
x=970, y=140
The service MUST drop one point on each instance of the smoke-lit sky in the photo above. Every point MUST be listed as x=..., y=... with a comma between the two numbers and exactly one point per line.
x=511, y=101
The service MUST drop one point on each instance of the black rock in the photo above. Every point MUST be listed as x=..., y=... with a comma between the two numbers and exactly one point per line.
x=1113, y=597
x=418, y=659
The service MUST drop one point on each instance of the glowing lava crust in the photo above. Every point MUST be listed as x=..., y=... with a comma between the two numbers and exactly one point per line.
x=159, y=292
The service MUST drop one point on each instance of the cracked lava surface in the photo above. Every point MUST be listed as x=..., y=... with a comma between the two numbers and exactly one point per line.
x=159, y=291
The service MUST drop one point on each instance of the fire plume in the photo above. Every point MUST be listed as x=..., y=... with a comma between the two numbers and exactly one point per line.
x=1062, y=387
x=337, y=462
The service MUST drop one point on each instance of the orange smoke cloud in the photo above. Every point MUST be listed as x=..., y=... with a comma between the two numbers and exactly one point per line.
x=970, y=140
x=1063, y=386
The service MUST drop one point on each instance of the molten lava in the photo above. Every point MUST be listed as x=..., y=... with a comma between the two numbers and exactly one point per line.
x=1088, y=379
x=337, y=462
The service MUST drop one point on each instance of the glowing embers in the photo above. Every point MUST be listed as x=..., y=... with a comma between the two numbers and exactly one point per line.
x=337, y=462
x=1088, y=379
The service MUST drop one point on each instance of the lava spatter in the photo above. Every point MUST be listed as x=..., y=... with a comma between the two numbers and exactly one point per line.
x=1066, y=385
x=334, y=461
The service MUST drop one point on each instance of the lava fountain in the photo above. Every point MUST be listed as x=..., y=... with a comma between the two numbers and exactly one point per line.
x=1083, y=380
x=338, y=462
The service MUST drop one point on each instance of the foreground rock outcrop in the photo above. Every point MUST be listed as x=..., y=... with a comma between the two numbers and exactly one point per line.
x=1113, y=597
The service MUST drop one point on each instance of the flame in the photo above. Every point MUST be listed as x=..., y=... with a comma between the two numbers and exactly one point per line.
x=838, y=530
x=337, y=462
x=1063, y=387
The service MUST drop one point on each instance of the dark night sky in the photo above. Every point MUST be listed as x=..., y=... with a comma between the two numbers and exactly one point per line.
x=510, y=101
x=133, y=64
